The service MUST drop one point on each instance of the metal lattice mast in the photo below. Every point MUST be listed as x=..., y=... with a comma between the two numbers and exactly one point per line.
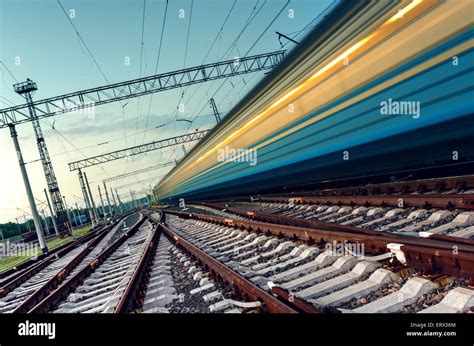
x=27, y=90
x=116, y=206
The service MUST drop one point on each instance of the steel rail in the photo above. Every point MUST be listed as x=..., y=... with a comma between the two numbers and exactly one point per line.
x=399, y=201
x=445, y=257
x=130, y=295
x=31, y=264
x=244, y=286
x=56, y=280
x=36, y=267
x=291, y=221
x=405, y=187
x=300, y=222
x=54, y=297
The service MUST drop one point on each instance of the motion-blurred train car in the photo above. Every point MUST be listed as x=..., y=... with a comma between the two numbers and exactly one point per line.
x=377, y=88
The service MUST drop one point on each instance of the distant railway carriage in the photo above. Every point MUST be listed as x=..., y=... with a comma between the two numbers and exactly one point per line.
x=29, y=236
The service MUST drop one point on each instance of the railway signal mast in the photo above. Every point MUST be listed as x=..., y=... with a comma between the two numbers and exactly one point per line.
x=27, y=90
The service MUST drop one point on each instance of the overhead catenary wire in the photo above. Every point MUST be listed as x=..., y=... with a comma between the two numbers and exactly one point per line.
x=8, y=70
x=90, y=54
x=253, y=14
x=156, y=66
x=248, y=51
x=309, y=25
x=83, y=42
x=141, y=64
x=186, y=50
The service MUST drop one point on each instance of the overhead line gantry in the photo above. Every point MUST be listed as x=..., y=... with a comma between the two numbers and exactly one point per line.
x=137, y=87
x=34, y=111
x=139, y=171
x=136, y=150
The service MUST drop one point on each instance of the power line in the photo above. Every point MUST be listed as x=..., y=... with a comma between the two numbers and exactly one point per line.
x=156, y=65
x=268, y=26
x=248, y=21
x=248, y=51
x=8, y=70
x=90, y=54
x=141, y=64
x=9, y=104
x=83, y=42
x=220, y=31
x=212, y=45
x=186, y=47
x=187, y=35
x=309, y=26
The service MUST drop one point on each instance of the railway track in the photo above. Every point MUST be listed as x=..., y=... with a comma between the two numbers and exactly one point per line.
x=414, y=221
x=181, y=282
x=23, y=290
x=150, y=269
x=334, y=277
x=436, y=208
x=217, y=262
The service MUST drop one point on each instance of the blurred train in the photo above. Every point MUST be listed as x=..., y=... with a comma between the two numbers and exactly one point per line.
x=377, y=88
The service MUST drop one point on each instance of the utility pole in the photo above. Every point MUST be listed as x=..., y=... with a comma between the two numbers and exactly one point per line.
x=68, y=216
x=151, y=194
x=74, y=217
x=133, y=200
x=51, y=212
x=94, y=210
x=86, y=198
x=18, y=224
x=29, y=192
x=107, y=197
x=155, y=198
x=27, y=223
x=102, y=203
x=27, y=90
x=214, y=109
x=148, y=199
x=47, y=233
x=116, y=206
x=80, y=214
x=120, y=204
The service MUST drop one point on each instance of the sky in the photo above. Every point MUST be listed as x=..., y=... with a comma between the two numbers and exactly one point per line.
x=38, y=41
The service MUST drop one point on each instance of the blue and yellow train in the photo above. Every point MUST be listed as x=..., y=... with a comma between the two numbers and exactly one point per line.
x=377, y=87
